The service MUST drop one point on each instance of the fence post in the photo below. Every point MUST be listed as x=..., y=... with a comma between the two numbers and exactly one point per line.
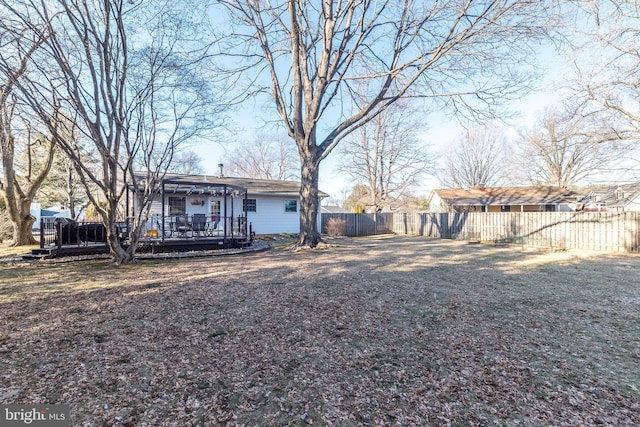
x=41, y=233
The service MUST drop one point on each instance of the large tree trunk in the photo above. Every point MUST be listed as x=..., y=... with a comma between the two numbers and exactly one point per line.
x=309, y=204
x=23, y=232
x=23, y=225
x=118, y=254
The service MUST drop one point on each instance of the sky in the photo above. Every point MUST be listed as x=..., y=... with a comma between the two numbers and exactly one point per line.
x=438, y=136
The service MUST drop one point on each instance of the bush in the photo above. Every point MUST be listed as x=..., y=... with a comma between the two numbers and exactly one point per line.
x=336, y=227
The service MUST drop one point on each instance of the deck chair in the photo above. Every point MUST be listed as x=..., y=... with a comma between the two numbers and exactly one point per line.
x=182, y=224
x=199, y=223
x=213, y=226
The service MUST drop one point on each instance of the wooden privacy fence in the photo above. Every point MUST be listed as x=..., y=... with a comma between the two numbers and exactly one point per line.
x=363, y=224
x=599, y=231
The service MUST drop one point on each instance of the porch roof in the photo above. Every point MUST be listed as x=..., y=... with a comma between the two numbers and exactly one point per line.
x=186, y=184
x=181, y=183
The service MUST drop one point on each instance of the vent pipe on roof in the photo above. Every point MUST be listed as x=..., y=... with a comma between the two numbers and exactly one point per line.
x=220, y=172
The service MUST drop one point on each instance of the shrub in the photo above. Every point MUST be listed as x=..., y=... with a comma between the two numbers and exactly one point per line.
x=336, y=227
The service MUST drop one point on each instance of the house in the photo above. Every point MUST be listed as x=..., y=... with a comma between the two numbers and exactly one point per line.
x=503, y=199
x=332, y=209
x=270, y=206
x=615, y=198
x=48, y=215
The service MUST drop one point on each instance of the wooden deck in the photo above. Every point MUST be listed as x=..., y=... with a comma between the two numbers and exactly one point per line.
x=145, y=245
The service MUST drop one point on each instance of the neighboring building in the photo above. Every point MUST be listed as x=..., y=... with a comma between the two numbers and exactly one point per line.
x=272, y=207
x=331, y=209
x=45, y=214
x=616, y=198
x=504, y=199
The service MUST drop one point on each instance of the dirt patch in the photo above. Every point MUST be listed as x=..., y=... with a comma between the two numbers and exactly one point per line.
x=383, y=330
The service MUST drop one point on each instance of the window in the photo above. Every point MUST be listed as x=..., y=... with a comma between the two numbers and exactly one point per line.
x=549, y=208
x=249, y=205
x=215, y=207
x=177, y=205
x=505, y=208
x=291, y=206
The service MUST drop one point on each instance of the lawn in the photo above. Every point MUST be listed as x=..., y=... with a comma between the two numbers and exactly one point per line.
x=369, y=331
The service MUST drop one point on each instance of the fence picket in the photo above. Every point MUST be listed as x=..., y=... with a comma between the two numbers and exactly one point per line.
x=600, y=231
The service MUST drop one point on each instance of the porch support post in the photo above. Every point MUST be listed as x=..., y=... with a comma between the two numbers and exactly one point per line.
x=246, y=215
x=225, y=216
x=162, y=203
x=232, y=218
x=127, y=214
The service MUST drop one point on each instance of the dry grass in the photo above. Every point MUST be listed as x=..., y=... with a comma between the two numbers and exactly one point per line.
x=6, y=249
x=399, y=330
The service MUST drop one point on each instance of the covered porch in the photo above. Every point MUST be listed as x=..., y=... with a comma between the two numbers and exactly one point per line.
x=187, y=215
x=196, y=209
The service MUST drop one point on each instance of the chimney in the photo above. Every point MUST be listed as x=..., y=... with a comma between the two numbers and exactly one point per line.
x=220, y=172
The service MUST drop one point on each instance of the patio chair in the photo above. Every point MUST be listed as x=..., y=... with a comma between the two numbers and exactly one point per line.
x=199, y=223
x=182, y=224
x=213, y=225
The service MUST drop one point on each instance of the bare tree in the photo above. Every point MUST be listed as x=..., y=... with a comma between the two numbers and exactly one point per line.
x=476, y=159
x=608, y=82
x=337, y=198
x=464, y=53
x=62, y=186
x=564, y=148
x=267, y=156
x=19, y=185
x=385, y=154
x=186, y=162
x=353, y=202
x=134, y=99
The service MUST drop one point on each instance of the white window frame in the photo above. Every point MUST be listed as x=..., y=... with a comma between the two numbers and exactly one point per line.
x=247, y=205
x=286, y=208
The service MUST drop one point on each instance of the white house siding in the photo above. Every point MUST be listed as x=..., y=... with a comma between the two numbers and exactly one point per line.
x=270, y=216
x=437, y=204
x=35, y=212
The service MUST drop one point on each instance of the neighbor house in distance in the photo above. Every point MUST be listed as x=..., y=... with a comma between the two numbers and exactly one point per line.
x=504, y=199
x=614, y=198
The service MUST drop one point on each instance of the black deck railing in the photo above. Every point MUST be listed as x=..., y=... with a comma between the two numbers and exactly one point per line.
x=197, y=225
x=66, y=232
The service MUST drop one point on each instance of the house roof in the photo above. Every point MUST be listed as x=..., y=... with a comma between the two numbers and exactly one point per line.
x=50, y=212
x=609, y=195
x=542, y=195
x=182, y=183
x=333, y=209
